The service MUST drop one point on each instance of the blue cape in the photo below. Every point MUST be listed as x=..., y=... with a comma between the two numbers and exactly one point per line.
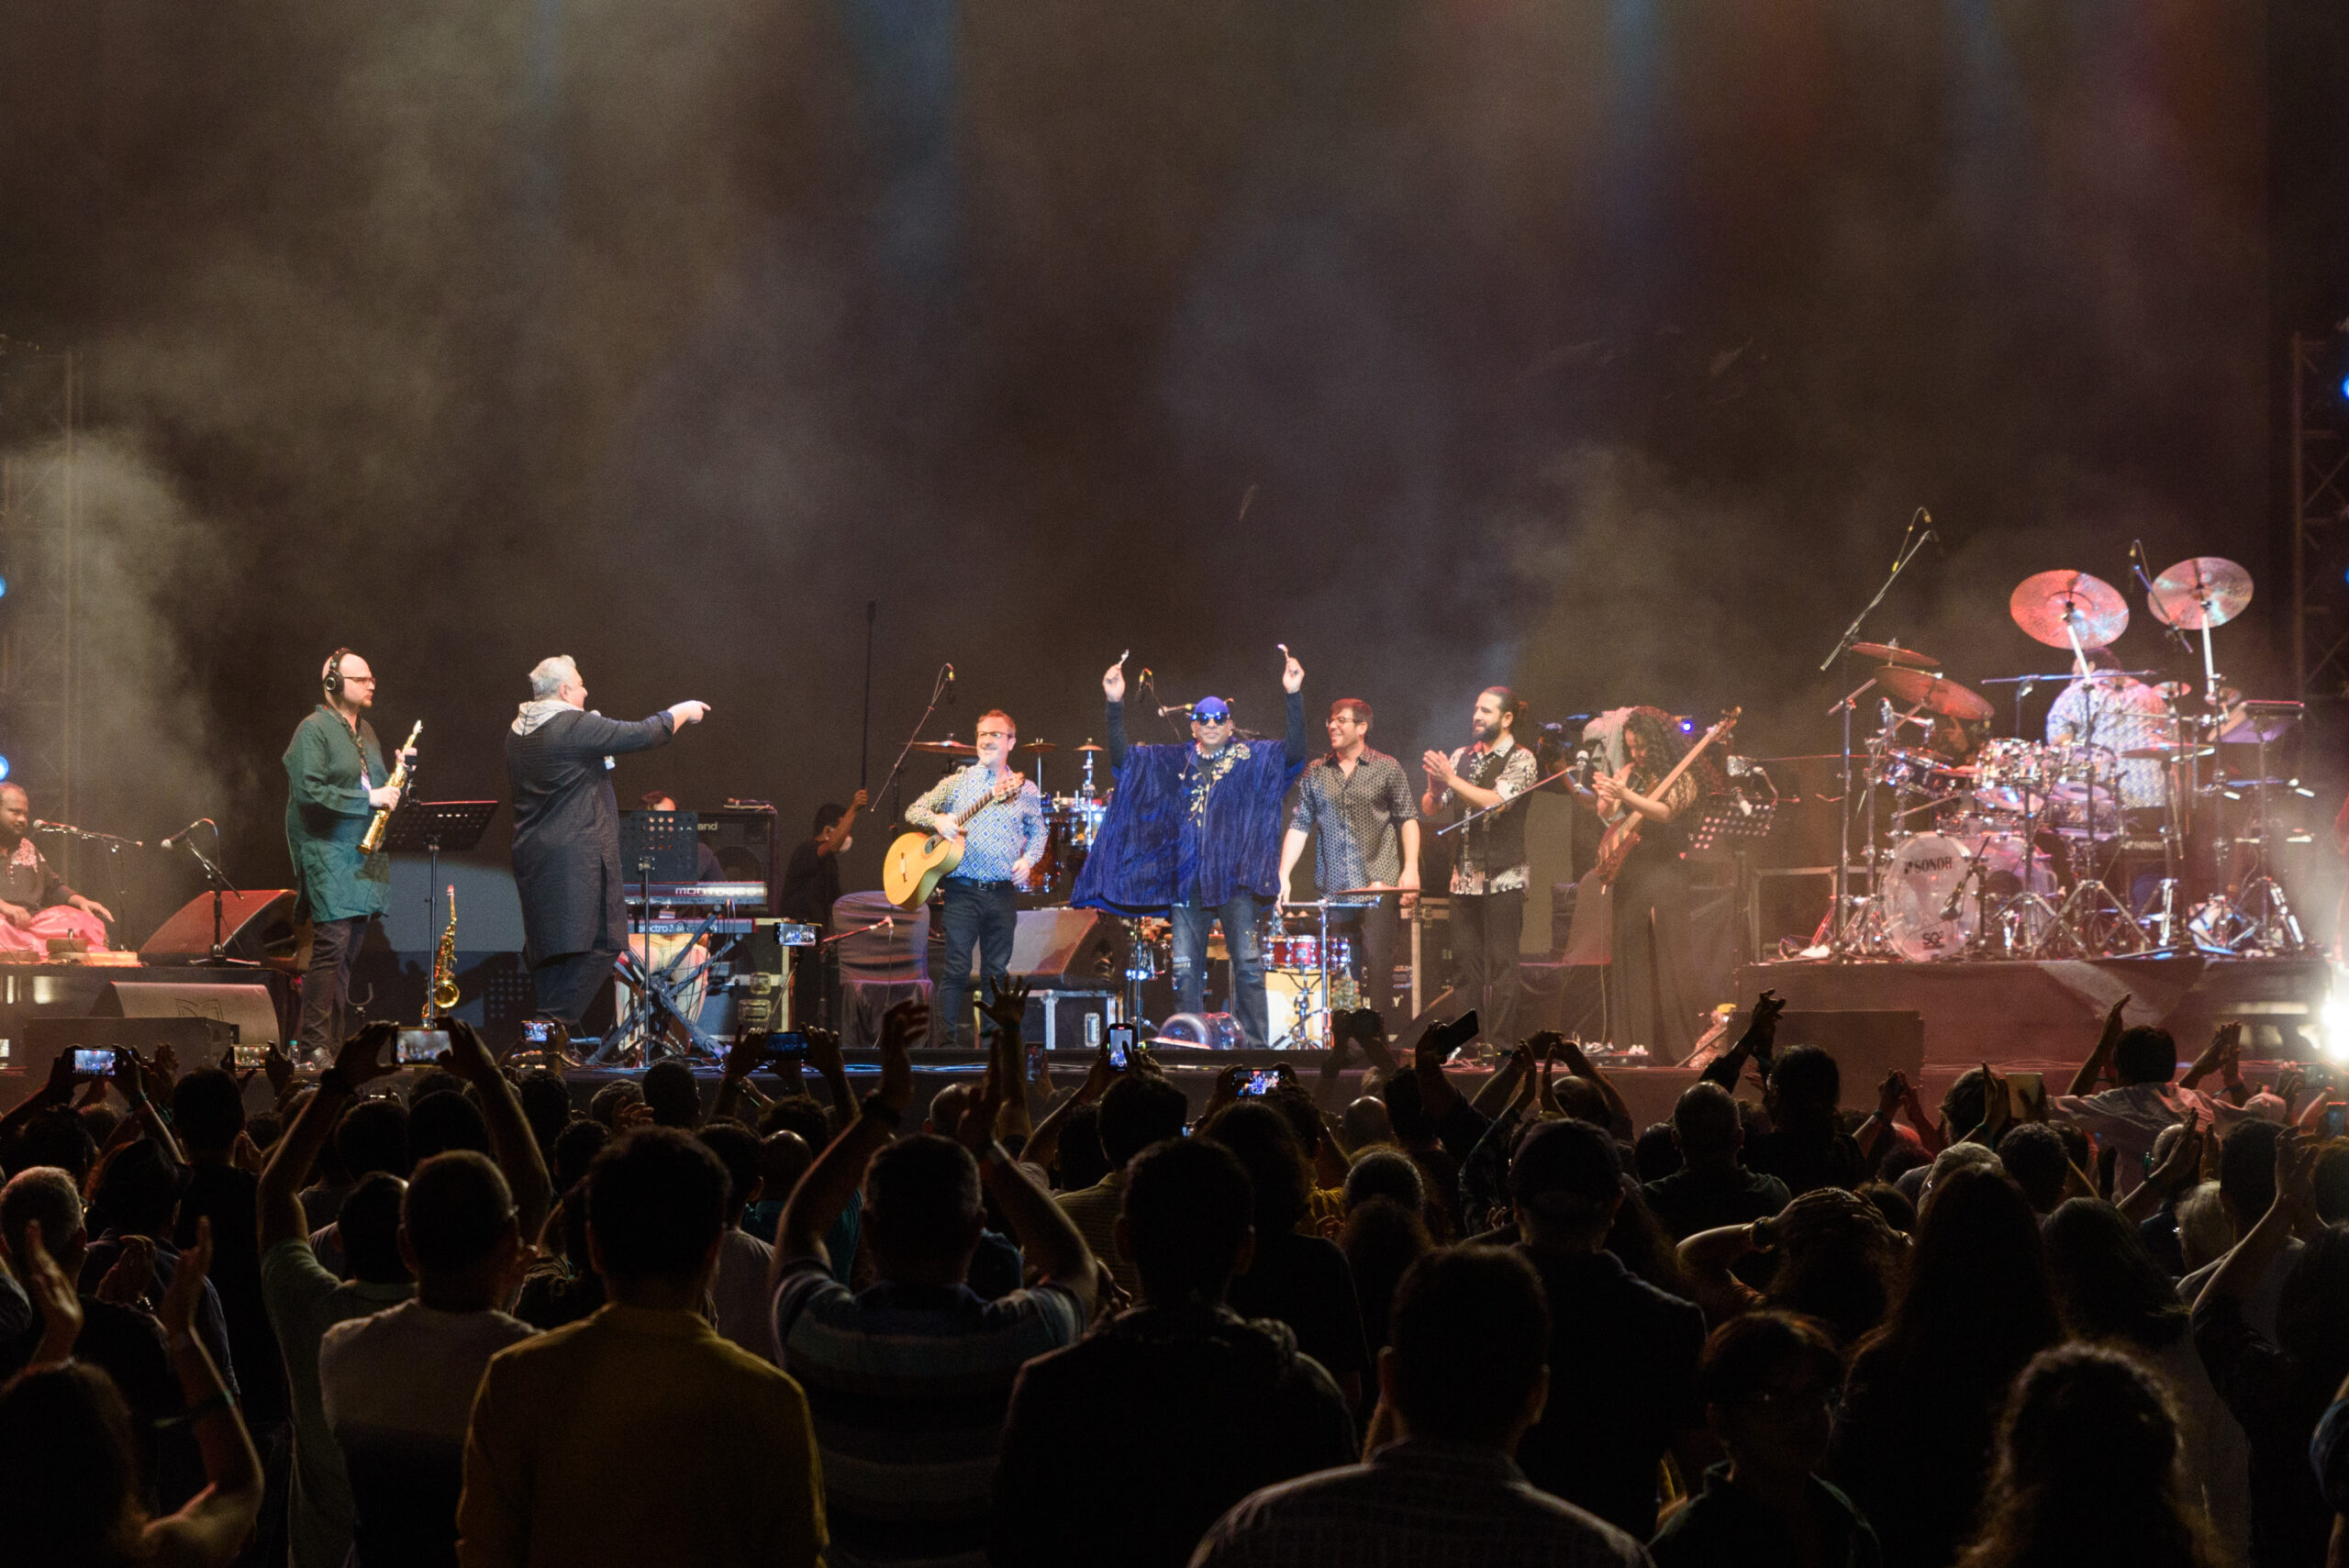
x=1149, y=852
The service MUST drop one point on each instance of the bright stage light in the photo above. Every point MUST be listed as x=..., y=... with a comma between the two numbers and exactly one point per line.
x=4, y=767
x=2332, y=1021
x=4, y=587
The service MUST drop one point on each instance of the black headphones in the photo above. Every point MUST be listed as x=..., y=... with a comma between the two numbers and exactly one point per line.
x=332, y=674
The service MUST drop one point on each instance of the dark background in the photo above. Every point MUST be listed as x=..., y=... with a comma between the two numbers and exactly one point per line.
x=1600, y=348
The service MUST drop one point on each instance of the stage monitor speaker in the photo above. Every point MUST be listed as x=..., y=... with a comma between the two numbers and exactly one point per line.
x=254, y=927
x=197, y=1042
x=1068, y=948
x=248, y=1007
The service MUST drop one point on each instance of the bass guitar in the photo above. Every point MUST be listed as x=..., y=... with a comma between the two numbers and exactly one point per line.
x=918, y=861
x=1623, y=837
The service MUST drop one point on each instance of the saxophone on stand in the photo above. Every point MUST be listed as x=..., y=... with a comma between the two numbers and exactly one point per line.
x=443, y=997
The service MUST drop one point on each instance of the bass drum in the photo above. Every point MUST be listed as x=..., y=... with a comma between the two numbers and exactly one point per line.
x=1924, y=871
x=1215, y=1031
x=1919, y=878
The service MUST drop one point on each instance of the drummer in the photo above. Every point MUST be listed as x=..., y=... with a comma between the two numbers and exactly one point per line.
x=2106, y=708
x=1359, y=801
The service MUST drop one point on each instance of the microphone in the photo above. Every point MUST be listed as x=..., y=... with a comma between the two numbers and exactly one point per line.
x=950, y=683
x=1175, y=707
x=176, y=839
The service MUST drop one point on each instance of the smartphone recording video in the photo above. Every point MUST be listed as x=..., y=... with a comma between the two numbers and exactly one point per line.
x=1259, y=1085
x=785, y=1050
x=1121, y=1045
x=244, y=1058
x=419, y=1045
x=538, y=1031
x=93, y=1064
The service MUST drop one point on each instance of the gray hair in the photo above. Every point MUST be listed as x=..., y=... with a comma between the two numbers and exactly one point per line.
x=549, y=676
x=47, y=1195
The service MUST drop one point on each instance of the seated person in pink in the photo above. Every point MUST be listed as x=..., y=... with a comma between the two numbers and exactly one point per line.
x=35, y=903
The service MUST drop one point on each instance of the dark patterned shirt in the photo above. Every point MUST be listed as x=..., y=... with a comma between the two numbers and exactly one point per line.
x=1358, y=817
x=1509, y=770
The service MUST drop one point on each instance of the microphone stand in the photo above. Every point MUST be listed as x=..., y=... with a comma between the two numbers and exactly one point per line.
x=220, y=886
x=937, y=694
x=1839, y=926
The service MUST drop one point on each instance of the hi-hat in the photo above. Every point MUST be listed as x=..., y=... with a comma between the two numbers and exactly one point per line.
x=2055, y=606
x=947, y=747
x=2207, y=590
x=1883, y=652
x=2164, y=752
x=1933, y=694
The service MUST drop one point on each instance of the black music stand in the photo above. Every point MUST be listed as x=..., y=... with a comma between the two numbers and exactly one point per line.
x=658, y=846
x=433, y=826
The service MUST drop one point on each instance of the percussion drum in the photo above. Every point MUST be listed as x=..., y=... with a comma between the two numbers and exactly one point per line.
x=1215, y=1031
x=2011, y=774
x=1924, y=871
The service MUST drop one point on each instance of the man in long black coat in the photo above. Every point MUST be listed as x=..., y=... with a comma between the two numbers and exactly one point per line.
x=567, y=832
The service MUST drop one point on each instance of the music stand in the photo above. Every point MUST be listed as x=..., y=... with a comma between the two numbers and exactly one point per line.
x=659, y=846
x=433, y=826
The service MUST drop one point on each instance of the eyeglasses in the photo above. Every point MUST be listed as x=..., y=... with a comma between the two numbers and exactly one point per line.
x=998, y=734
x=1211, y=718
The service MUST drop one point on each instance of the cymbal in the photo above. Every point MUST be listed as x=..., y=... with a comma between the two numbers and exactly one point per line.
x=1934, y=692
x=2164, y=751
x=2205, y=590
x=2050, y=606
x=1089, y=746
x=1040, y=746
x=1885, y=653
x=947, y=747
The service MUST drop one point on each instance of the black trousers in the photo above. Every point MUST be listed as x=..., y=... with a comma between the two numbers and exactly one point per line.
x=1652, y=993
x=1486, y=928
x=568, y=983
x=985, y=915
x=1375, y=931
x=325, y=985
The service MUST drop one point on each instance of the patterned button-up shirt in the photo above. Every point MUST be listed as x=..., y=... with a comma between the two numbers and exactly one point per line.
x=1358, y=817
x=2120, y=713
x=1515, y=773
x=1003, y=833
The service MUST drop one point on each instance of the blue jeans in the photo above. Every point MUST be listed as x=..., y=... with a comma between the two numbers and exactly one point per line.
x=1191, y=925
x=981, y=914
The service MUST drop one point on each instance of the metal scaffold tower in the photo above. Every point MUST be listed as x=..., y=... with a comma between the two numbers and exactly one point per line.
x=2320, y=518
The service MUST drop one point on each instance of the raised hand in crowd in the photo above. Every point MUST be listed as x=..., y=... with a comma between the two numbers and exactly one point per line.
x=2223, y=1056
x=2099, y=1062
x=53, y=1293
x=131, y=1280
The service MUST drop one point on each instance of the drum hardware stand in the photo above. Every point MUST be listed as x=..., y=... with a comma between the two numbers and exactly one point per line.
x=1837, y=930
x=1135, y=973
x=2091, y=904
x=1299, y=1036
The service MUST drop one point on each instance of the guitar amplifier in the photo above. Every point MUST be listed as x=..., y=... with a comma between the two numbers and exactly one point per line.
x=1067, y=1020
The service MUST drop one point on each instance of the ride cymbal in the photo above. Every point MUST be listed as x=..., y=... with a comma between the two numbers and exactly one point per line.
x=2054, y=607
x=2205, y=590
x=1933, y=694
x=1885, y=653
x=947, y=747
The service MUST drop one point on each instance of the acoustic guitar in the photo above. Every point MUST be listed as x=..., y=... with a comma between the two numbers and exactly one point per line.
x=918, y=861
x=1624, y=835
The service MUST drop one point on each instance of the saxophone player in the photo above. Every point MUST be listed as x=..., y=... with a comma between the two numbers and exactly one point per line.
x=335, y=782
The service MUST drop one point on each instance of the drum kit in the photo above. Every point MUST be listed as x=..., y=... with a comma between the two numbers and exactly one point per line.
x=2010, y=848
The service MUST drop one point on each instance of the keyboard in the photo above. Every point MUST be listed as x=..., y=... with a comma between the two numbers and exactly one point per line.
x=790, y=933
x=705, y=894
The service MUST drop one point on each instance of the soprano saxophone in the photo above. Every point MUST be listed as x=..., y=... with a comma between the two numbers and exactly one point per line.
x=444, y=968
x=374, y=838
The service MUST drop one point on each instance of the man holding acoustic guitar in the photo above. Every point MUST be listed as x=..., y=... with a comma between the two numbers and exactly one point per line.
x=996, y=818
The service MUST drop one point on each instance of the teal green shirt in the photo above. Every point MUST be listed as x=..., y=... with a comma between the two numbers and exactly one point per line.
x=328, y=773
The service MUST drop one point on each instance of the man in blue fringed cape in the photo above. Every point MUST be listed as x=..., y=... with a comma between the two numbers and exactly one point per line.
x=1193, y=833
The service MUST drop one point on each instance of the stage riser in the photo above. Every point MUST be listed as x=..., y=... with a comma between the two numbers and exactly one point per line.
x=2051, y=1012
